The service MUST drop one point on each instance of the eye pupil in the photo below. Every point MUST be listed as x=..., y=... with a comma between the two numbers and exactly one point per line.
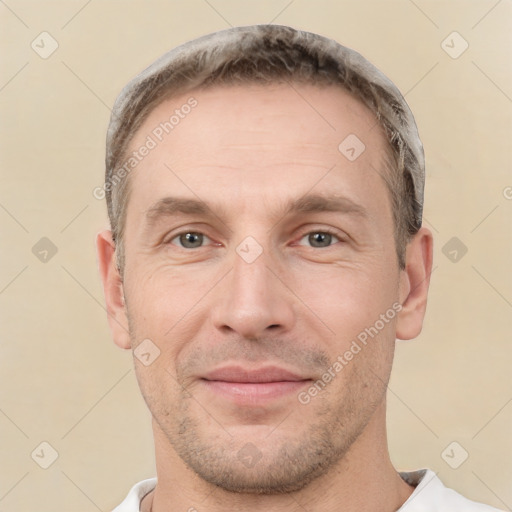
x=191, y=240
x=324, y=239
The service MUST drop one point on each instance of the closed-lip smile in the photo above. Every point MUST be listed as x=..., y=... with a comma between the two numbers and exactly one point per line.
x=264, y=374
x=251, y=386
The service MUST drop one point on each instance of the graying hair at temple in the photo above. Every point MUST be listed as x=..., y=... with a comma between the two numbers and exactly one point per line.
x=268, y=54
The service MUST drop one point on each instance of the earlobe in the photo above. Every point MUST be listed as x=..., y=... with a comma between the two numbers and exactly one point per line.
x=414, y=284
x=113, y=289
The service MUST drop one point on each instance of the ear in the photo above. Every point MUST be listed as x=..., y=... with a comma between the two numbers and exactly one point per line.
x=113, y=289
x=414, y=283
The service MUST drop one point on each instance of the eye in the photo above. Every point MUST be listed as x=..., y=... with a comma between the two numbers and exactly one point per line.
x=189, y=240
x=195, y=240
x=320, y=239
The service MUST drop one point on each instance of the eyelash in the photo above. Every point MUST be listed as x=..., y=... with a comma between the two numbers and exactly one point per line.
x=328, y=231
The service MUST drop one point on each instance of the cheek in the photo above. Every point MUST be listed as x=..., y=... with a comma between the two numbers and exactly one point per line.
x=349, y=299
x=160, y=294
x=163, y=305
x=158, y=385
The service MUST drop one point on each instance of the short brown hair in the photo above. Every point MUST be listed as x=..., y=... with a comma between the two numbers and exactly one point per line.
x=270, y=54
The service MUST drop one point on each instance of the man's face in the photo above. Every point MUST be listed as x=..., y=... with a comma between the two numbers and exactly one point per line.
x=270, y=324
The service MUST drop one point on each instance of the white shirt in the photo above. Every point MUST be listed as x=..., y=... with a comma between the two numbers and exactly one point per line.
x=430, y=495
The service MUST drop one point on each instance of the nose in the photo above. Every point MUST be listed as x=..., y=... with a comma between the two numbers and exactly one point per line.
x=253, y=300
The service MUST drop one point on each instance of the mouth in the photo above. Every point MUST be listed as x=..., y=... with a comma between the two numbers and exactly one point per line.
x=253, y=386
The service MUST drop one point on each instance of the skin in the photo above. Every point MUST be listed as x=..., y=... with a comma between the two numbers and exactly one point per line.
x=246, y=150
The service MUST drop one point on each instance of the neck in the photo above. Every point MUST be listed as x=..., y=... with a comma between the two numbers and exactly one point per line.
x=363, y=481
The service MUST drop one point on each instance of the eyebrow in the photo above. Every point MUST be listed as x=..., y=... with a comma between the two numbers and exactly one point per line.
x=310, y=203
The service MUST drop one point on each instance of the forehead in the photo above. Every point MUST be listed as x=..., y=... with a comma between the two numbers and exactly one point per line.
x=255, y=141
x=243, y=113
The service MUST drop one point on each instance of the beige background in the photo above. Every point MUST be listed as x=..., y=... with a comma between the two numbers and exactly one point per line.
x=63, y=381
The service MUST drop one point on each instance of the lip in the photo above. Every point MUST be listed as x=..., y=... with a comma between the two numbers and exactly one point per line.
x=257, y=375
x=245, y=386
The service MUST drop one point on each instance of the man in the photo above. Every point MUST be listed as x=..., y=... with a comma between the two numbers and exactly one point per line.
x=265, y=189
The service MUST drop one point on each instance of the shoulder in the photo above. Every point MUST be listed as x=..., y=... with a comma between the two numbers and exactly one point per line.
x=132, y=501
x=431, y=495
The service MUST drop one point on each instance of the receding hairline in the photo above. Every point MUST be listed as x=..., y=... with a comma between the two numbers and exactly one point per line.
x=228, y=45
x=259, y=54
x=177, y=98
